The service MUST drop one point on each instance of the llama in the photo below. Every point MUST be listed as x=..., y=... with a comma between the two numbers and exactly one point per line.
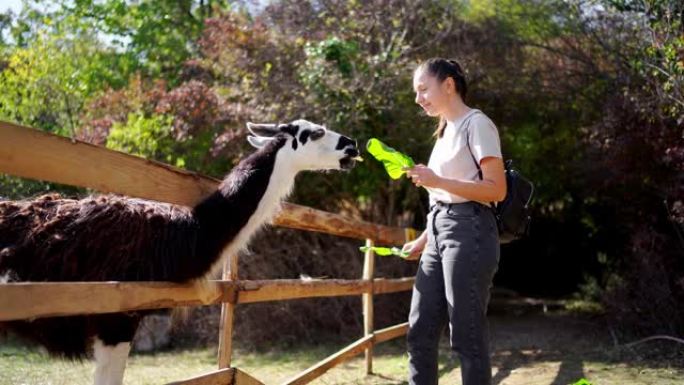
x=112, y=237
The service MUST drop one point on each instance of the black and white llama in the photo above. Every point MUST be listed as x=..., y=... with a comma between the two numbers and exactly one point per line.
x=111, y=237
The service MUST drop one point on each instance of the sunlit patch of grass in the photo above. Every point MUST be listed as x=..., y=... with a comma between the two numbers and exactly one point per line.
x=583, y=306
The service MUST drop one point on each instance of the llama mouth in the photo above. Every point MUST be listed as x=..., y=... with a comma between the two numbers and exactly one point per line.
x=351, y=156
x=347, y=163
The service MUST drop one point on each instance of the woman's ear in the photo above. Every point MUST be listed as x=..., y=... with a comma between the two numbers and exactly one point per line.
x=449, y=86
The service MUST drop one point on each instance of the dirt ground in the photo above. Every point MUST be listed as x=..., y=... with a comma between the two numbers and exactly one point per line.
x=531, y=345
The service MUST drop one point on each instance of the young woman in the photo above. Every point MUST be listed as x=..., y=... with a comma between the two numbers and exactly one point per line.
x=460, y=245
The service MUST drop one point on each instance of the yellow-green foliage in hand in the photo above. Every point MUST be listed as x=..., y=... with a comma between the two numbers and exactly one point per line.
x=385, y=251
x=392, y=159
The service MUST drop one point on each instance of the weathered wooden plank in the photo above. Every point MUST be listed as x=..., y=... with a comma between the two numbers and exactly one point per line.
x=282, y=289
x=35, y=154
x=367, y=302
x=389, y=333
x=225, y=348
x=220, y=377
x=71, y=298
x=45, y=299
x=226, y=376
x=348, y=352
x=321, y=367
x=306, y=218
x=242, y=378
x=393, y=285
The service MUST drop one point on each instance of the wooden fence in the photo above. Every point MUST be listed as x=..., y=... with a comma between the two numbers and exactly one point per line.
x=34, y=154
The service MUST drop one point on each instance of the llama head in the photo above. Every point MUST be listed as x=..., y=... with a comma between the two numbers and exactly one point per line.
x=309, y=146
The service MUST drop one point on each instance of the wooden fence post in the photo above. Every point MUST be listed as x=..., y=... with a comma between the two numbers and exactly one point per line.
x=225, y=349
x=367, y=298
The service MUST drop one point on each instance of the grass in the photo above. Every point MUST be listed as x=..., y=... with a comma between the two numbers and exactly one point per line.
x=529, y=347
x=22, y=365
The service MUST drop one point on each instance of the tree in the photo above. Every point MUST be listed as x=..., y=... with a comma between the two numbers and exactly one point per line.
x=160, y=33
x=46, y=83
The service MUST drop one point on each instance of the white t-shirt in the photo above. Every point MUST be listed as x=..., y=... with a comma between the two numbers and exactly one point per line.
x=450, y=156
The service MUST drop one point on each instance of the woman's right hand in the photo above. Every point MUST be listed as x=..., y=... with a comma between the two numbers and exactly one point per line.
x=414, y=248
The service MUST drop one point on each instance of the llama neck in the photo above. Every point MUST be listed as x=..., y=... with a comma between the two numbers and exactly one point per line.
x=247, y=199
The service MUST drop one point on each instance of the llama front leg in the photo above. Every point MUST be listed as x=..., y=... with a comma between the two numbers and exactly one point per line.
x=110, y=362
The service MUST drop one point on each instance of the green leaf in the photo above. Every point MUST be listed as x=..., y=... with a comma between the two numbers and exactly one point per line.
x=385, y=251
x=392, y=159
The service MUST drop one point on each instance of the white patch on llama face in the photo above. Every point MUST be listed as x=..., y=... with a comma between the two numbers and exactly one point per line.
x=110, y=362
x=317, y=152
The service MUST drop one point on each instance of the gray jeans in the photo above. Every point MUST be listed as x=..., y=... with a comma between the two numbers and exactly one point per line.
x=452, y=286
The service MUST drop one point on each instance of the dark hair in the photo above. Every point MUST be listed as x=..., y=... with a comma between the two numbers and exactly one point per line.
x=441, y=69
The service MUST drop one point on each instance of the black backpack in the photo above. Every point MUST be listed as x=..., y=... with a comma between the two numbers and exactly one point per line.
x=513, y=213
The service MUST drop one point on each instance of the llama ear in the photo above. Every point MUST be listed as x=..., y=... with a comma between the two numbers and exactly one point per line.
x=258, y=141
x=317, y=134
x=262, y=129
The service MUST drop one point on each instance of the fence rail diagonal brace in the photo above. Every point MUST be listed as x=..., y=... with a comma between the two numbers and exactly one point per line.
x=227, y=376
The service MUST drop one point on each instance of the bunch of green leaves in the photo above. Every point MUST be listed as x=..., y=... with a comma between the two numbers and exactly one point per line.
x=385, y=251
x=392, y=159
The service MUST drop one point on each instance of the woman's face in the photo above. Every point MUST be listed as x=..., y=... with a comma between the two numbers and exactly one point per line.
x=431, y=94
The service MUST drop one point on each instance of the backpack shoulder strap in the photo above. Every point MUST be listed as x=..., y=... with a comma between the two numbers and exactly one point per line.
x=467, y=132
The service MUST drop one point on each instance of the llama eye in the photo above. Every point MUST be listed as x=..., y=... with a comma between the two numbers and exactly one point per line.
x=317, y=134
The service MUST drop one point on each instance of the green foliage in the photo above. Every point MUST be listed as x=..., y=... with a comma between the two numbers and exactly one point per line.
x=661, y=61
x=529, y=20
x=54, y=63
x=392, y=159
x=5, y=24
x=149, y=137
x=46, y=83
x=385, y=251
x=161, y=34
x=343, y=53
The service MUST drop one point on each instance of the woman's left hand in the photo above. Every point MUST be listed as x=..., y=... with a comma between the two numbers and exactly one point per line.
x=421, y=175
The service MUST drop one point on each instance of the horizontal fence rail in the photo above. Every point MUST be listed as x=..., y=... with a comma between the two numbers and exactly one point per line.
x=50, y=299
x=35, y=154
